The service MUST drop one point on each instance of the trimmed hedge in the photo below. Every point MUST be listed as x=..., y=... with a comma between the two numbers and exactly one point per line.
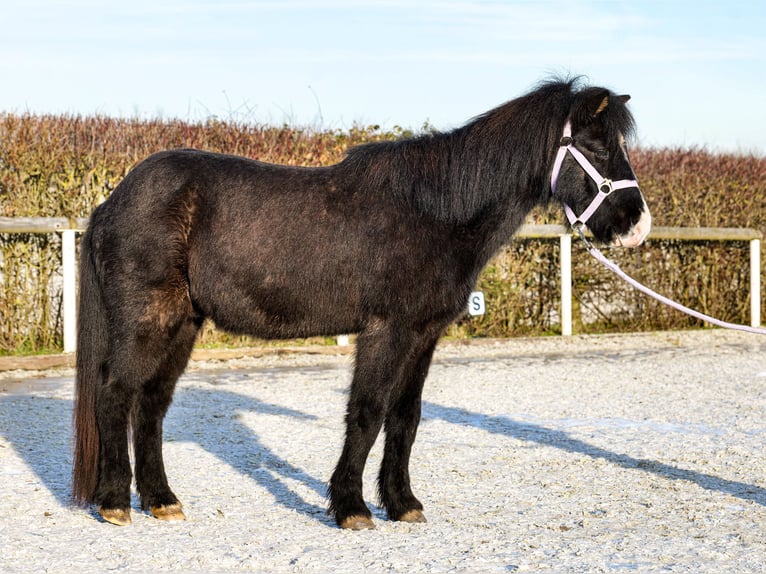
x=53, y=166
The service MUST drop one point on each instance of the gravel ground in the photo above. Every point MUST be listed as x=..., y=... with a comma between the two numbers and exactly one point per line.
x=635, y=453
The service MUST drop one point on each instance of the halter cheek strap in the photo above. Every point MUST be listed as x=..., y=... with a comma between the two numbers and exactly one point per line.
x=605, y=186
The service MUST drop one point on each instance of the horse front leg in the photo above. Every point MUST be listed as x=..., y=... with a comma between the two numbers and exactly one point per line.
x=401, y=426
x=379, y=355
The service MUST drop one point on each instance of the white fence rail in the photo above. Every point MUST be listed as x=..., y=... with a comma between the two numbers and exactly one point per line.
x=69, y=228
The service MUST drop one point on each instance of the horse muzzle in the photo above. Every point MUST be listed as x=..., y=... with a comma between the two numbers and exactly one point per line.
x=637, y=233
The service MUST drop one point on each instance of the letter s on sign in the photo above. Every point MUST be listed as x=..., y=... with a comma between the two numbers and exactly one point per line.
x=476, y=304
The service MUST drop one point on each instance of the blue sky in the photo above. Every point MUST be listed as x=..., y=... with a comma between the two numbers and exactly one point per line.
x=696, y=70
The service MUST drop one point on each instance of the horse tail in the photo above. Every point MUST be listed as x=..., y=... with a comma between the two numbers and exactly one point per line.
x=92, y=350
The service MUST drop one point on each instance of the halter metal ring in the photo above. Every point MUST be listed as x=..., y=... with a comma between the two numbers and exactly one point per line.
x=606, y=186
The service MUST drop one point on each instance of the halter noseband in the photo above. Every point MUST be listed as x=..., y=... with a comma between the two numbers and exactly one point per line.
x=605, y=186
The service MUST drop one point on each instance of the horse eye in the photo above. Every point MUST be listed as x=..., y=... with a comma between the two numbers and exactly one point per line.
x=602, y=154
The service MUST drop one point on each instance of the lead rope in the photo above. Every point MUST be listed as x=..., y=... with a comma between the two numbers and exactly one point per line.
x=612, y=266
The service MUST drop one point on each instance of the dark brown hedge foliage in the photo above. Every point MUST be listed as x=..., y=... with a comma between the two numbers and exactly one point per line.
x=65, y=165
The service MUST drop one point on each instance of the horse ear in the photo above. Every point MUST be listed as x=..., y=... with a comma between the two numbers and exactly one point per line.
x=600, y=102
x=594, y=103
x=601, y=107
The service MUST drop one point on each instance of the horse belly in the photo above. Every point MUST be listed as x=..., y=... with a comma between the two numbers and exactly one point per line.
x=278, y=294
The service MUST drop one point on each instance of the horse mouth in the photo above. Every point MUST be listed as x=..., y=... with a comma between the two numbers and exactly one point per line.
x=638, y=233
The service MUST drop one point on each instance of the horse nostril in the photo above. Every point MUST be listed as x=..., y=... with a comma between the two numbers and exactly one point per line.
x=638, y=234
x=644, y=225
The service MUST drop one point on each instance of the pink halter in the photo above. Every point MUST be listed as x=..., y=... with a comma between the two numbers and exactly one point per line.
x=605, y=186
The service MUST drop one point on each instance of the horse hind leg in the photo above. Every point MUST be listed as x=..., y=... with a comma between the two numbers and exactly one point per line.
x=151, y=406
x=142, y=371
x=114, y=400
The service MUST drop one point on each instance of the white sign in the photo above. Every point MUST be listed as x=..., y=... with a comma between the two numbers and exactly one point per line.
x=476, y=304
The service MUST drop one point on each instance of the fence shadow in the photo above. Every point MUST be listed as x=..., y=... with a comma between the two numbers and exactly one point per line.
x=561, y=440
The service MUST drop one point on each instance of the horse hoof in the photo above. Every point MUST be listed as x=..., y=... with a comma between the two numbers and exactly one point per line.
x=168, y=512
x=358, y=523
x=413, y=516
x=117, y=516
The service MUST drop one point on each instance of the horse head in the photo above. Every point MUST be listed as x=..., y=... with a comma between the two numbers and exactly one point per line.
x=592, y=175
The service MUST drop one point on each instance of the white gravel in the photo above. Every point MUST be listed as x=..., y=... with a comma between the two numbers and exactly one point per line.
x=638, y=453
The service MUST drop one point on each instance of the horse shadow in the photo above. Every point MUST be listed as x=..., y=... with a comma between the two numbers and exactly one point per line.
x=246, y=453
x=563, y=441
x=39, y=429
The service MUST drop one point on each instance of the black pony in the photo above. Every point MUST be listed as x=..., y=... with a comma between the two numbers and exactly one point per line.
x=387, y=244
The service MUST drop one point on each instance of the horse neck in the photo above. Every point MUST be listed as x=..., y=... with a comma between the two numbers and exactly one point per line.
x=457, y=178
x=504, y=190
x=490, y=232
x=482, y=179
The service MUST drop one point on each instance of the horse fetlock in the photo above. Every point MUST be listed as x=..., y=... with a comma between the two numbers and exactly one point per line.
x=157, y=498
x=352, y=516
x=402, y=506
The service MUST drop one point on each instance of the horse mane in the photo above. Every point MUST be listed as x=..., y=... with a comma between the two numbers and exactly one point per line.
x=457, y=175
